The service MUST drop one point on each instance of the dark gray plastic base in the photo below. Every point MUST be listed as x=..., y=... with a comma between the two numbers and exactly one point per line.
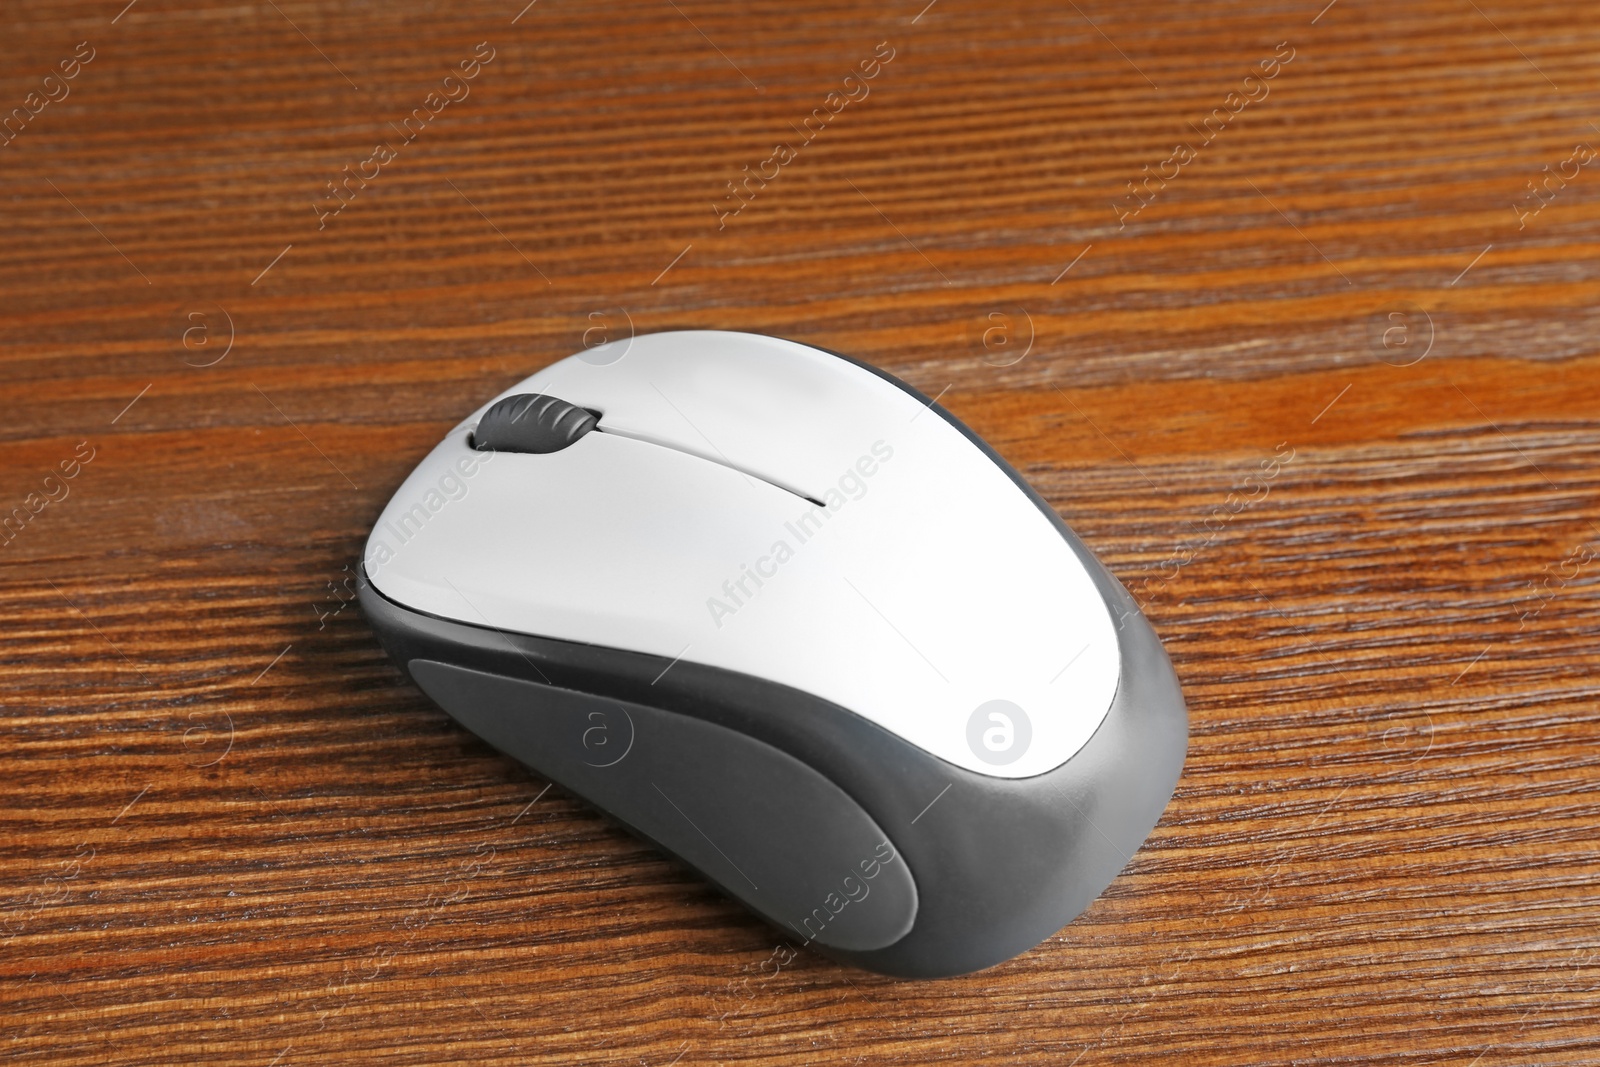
x=998, y=864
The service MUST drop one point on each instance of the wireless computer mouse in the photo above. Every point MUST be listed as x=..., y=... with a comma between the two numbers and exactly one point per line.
x=787, y=618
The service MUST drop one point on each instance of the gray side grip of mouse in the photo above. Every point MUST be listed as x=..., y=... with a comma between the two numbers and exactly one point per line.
x=770, y=831
x=999, y=864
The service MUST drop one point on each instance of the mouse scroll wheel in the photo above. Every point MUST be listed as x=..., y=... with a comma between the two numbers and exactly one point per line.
x=531, y=422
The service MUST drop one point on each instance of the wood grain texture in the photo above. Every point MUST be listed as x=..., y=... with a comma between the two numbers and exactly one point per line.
x=232, y=834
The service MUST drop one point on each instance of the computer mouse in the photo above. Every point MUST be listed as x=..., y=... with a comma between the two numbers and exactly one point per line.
x=788, y=619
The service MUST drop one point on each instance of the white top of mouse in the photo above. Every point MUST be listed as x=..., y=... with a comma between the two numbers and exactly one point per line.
x=761, y=506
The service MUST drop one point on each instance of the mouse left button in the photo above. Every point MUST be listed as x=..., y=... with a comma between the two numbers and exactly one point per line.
x=531, y=422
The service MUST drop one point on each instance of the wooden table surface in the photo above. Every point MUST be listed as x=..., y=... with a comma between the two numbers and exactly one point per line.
x=1289, y=310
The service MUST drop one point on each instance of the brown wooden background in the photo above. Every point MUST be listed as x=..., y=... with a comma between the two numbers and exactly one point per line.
x=232, y=835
